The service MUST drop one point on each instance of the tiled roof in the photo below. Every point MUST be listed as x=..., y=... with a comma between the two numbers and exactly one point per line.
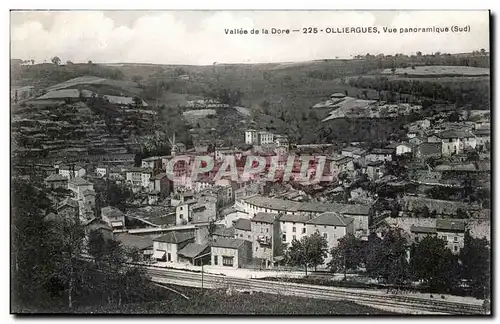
x=111, y=211
x=381, y=151
x=135, y=241
x=331, y=219
x=55, y=177
x=294, y=206
x=192, y=250
x=243, y=224
x=264, y=217
x=174, y=237
x=297, y=218
x=228, y=243
x=450, y=225
x=79, y=182
x=422, y=229
x=68, y=202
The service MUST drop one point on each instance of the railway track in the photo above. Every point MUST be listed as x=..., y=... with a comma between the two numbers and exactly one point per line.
x=405, y=304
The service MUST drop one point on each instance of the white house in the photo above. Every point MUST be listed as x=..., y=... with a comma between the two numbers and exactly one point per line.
x=454, y=142
x=101, y=170
x=165, y=247
x=66, y=171
x=113, y=217
x=146, y=175
x=78, y=186
x=403, y=148
x=332, y=226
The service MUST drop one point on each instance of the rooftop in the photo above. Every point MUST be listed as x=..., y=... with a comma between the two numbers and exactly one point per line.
x=243, y=224
x=264, y=218
x=192, y=250
x=79, y=182
x=422, y=229
x=450, y=225
x=175, y=237
x=135, y=241
x=331, y=219
x=55, y=177
x=228, y=243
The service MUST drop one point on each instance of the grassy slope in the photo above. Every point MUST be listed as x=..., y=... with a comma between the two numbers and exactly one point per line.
x=217, y=302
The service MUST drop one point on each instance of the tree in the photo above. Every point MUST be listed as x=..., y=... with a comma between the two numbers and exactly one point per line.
x=435, y=264
x=56, y=60
x=136, y=78
x=310, y=251
x=475, y=258
x=348, y=255
x=137, y=101
x=386, y=258
x=69, y=62
x=90, y=62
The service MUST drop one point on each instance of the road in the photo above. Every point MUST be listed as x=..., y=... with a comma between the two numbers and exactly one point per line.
x=400, y=303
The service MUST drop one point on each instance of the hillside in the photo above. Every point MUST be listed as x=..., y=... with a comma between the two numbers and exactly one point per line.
x=277, y=97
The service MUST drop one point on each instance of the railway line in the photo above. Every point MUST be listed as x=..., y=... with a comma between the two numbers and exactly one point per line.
x=405, y=304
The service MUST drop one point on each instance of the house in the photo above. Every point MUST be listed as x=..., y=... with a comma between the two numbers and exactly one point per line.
x=69, y=209
x=281, y=140
x=101, y=170
x=165, y=247
x=113, y=217
x=194, y=254
x=266, y=236
x=142, y=245
x=454, y=142
x=243, y=229
x=115, y=173
x=152, y=162
x=293, y=227
x=221, y=231
x=133, y=176
x=379, y=154
x=332, y=226
x=341, y=164
x=161, y=184
x=55, y=181
x=375, y=170
x=450, y=230
x=78, y=186
x=183, y=212
x=95, y=224
x=353, y=152
x=146, y=175
x=71, y=171
x=482, y=138
x=428, y=150
x=233, y=253
x=417, y=140
x=254, y=137
x=404, y=148
x=89, y=198
x=358, y=212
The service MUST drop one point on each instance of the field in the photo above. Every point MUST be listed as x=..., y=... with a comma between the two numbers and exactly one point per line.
x=439, y=71
x=219, y=303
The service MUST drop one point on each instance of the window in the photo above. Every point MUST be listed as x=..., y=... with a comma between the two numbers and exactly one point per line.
x=264, y=250
x=267, y=230
x=325, y=226
x=249, y=237
x=241, y=235
x=215, y=260
x=416, y=239
x=455, y=239
x=444, y=237
x=304, y=230
x=294, y=229
x=256, y=248
x=261, y=230
x=455, y=248
x=283, y=237
x=325, y=235
x=335, y=227
x=169, y=257
x=227, y=261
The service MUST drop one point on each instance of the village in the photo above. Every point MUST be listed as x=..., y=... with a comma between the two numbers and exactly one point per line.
x=241, y=223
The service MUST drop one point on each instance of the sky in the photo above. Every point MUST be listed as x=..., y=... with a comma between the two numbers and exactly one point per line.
x=198, y=37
